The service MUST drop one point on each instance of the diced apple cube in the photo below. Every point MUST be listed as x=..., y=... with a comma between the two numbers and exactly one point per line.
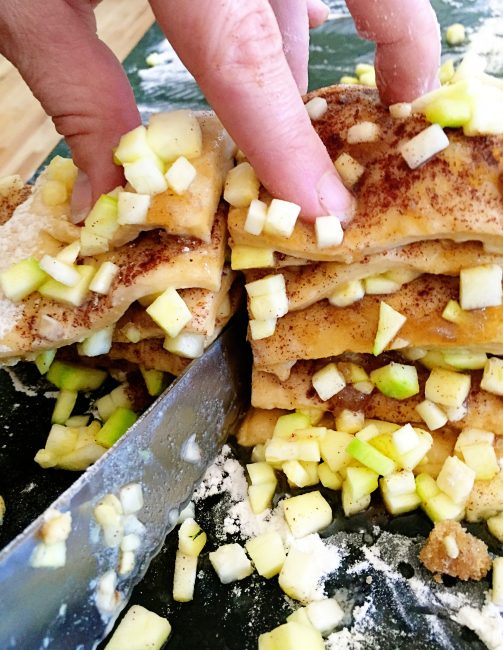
x=63, y=170
x=299, y=616
x=281, y=218
x=61, y=440
x=446, y=387
x=370, y=457
x=333, y=449
x=54, y=193
x=328, y=231
x=367, y=432
x=271, y=284
x=368, y=79
x=412, y=458
x=91, y=244
x=105, y=275
x=75, y=295
x=495, y=526
x=258, y=453
x=376, y=285
x=287, y=424
x=131, y=498
x=255, y=217
x=250, y=257
x=405, y=439
x=349, y=169
x=433, y=416
x=325, y=615
x=316, y=108
x=360, y=481
x=390, y=322
x=328, y=381
x=191, y=538
x=102, y=219
x=189, y=345
x=299, y=575
x=400, y=111
x=456, y=479
x=398, y=483
x=70, y=253
x=133, y=146
x=398, y=504
x=363, y=132
x=294, y=636
x=426, y=486
x=98, y=343
x=260, y=473
x=241, y=186
x=180, y=175
x=480, y=286
x=140, y=629
x=260, y=496
x=267, y=553
x=329, y=479
x=21, y=279
x=132, y=208
x=481, y=457
x=262, y=329
x=347, y=294
x=270, y=306
x=170, y=312
x=349, y=505
x=127, y=560
x=424, y=146
x=145, y=176
x=396, y=380
x=453, y=312
x=278, y=449
x=455, y=34
x=441, y=507
x=455, y=413
x=301, y=474
x=349, y=421
x=307, y=513
x=492, y=378
x=230, y=563
x=465, y=360
x=48, y=556
x=174, y=134
x=56, y=527
x=470, y=436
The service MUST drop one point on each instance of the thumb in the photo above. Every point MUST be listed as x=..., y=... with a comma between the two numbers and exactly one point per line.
x=78, y=81
x=238, y=61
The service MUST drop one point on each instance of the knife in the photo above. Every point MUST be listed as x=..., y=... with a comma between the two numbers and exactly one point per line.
x=167, y=451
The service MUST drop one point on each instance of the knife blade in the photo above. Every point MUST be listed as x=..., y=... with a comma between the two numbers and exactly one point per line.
x=167, y=451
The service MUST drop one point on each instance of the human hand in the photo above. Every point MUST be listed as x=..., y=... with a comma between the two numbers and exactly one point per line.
x=250, y=71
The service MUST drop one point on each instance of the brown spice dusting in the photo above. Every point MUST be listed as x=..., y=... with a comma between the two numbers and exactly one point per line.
x=473, y=561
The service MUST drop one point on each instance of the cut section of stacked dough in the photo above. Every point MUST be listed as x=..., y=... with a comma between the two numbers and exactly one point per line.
x=162, y=237
x=400, y=324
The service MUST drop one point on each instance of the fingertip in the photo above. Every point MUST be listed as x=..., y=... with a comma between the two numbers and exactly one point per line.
x=334, y=198
x=318, y=13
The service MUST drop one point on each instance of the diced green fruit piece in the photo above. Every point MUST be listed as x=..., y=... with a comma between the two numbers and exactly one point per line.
x=329, y=479
x=287, y=424
x=307, y=513
x=456, y=479
x=74, y=296
x=294, y=636
x=382, y=425
x=250, y=257
x=453, y=312
x=299, y=575
x=455, y=34
x=328, y=381
x=360, y=481
x=21, y=279
x=140, y=629
x=133, y=145
x=312, y=433
x=400, y=503
x=384, y=443
x=465, y=360
x=349, y=421
x=413, y=457
x=91, y=244
x=396, y=380
x=45, y=458
x=348, y=293
x=370, y=457
x=44, y=359
x=267, y=553
x=278, y=449
x=63, y=408
x=170, y=312
x=63, y=170
x=180, y=175
x=116, y=426
x=390, y=322
x=260, y=473
x=470, y=436
x=433, y=416
x=398, y=483
x=481, y=457
x=107, y=404
x=367, y=433
x=495, y=525
x=189, y=345
x=77, y=421
x=446, y=72
x=98, y=343
x=349, y=505
x=231, y=563
x=333, y=449
x=102, y=219
x=480, y=286
x=299, y=616
x=446, y=387
x=174, y=134
x=442, y=508
x=61, y=440
x=313, y=415
x=184, y=577
x=154, y=381
x=325, y=615
x=426, y=487
x=492, y=378
x=260, y=496
x=71, y=376
x=448, y=112
x=301, y=474
x=405, y=439
x=241, y=186
x=191, y=537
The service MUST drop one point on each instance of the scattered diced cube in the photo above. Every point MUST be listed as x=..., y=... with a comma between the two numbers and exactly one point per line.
x=316, y=108
x=307, y=513
x=140, y=629
x=281, y=218
x=363, y=132
x=170, y=312
x=328, y=231
x=241, y=186
x=456, y=479
x=230, y=563
x=328, y=381
x=424, y=146
x=480, y=286
x=446, y=387
x=348, y=169
x=267, y=553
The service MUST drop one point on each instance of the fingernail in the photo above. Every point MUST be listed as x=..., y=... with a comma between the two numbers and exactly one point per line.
x=82, y=198
x=334, y=197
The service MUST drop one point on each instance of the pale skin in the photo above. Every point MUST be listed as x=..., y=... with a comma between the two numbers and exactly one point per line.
x=250, y=60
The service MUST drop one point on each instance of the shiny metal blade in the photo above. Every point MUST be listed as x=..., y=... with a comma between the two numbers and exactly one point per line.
x=55, y=608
